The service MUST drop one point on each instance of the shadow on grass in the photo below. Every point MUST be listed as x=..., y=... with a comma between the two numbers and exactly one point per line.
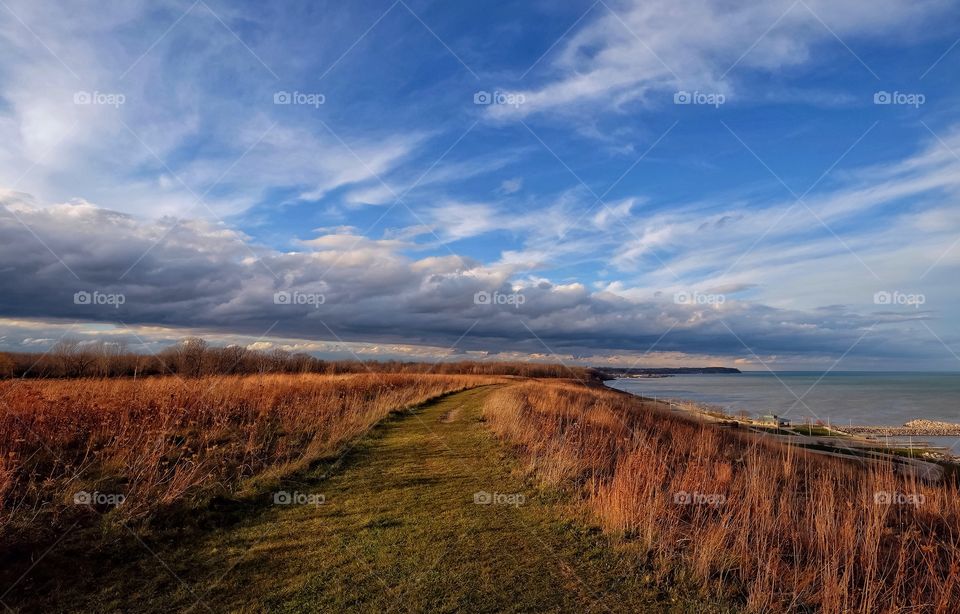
x=90, y=544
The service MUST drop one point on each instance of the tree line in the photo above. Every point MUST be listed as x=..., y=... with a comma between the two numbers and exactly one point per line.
x=195, y=357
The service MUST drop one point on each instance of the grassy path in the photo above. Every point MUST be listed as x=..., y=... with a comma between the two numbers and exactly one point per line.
x=398, y=532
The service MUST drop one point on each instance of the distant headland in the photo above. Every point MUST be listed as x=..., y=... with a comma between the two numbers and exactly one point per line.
x=635, y=372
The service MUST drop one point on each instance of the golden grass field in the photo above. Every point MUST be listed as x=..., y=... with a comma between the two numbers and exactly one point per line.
x=794, y=532
x=753, y=523
x=167, y=441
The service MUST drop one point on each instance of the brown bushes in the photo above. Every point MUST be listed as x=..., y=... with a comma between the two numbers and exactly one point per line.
x=165, y=440
x=776, y=527
x=194, y=357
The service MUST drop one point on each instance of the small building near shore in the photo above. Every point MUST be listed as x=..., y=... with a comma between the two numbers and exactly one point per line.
x=774, y=420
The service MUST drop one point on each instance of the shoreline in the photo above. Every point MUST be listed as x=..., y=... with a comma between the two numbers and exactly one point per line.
x=920, y=427
x=864, y=437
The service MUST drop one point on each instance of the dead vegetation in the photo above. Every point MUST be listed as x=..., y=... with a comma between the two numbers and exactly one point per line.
x=169, y=441
x=776, y=528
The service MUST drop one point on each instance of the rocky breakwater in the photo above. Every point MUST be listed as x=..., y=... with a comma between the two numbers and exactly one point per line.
x=930, y=428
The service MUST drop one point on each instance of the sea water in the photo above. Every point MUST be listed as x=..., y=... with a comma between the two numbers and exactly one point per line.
x=840, y=397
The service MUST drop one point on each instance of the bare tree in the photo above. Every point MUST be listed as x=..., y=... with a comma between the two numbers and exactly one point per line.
x=231, y=359
x=191, y=354
x=7, y=366
x=74, y=358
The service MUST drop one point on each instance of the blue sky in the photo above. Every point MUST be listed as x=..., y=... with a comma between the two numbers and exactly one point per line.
x=768, y=185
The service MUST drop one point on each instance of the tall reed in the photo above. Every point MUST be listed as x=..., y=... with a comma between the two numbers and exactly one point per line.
x=166, y=440
x=776, y=527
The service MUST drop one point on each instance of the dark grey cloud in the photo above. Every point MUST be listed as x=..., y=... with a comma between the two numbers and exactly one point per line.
x=196, y=274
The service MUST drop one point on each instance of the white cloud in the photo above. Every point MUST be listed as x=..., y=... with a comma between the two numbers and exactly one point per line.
x=646, y=50
x=182, y=130
x=511, y=186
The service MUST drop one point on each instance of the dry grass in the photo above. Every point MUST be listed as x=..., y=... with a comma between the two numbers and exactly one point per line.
x=168, y=441
x=797, y=531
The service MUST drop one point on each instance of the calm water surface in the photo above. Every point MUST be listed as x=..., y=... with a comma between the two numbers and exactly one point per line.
x=841, y=397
